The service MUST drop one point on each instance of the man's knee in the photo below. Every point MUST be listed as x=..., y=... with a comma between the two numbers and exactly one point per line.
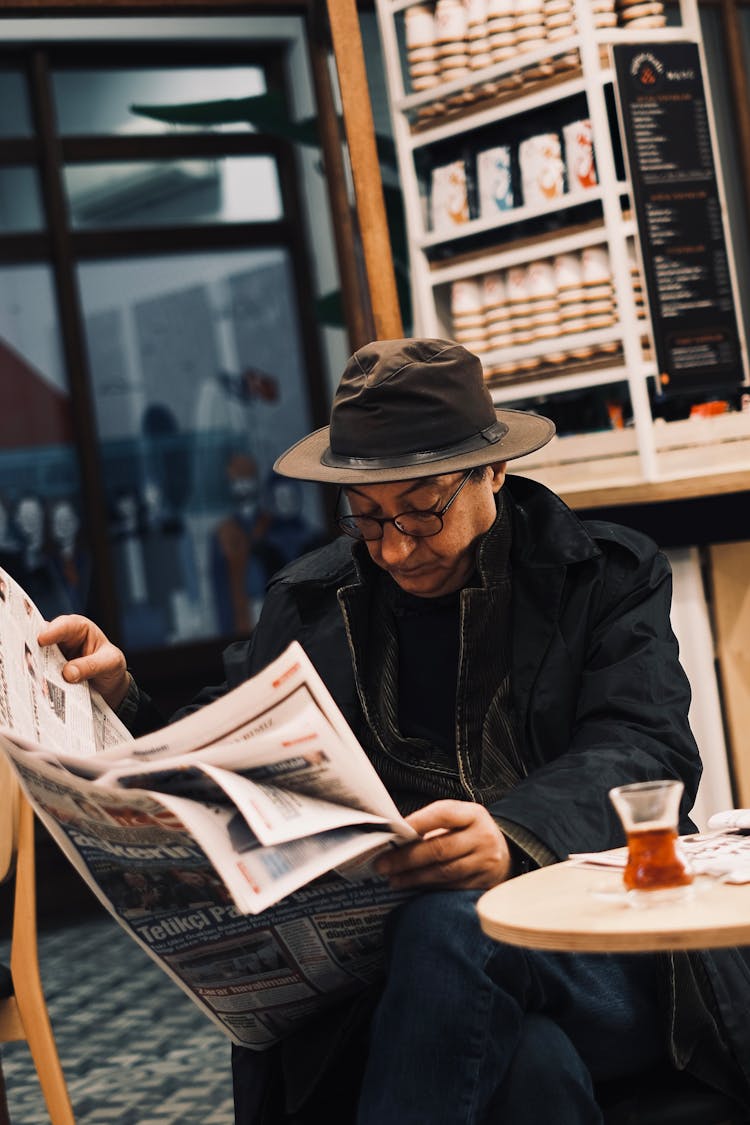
x=433, y=917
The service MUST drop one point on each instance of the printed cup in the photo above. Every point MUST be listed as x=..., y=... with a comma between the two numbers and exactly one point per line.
x=542, y=170
x=449, y=199
x=494, y=180
x=579, y=155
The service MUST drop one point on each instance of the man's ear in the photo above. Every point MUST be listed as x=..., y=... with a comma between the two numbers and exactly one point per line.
x=497, y=468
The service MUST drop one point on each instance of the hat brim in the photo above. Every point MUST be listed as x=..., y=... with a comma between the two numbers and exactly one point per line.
x=525, y=433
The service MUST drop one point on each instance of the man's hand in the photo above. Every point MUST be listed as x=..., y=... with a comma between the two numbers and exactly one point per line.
x=90, y=656
x=461, y=847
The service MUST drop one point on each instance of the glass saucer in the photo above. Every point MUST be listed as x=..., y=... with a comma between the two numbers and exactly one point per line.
x=642, y=900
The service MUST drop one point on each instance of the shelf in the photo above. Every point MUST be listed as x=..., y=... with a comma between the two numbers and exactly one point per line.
x=560, y=343
x=497, y=105
x=619, y=493
x=550, y=384
x=601, y=469
x=512, y=217
x=610, y=36
x=546, y=245
x=545, y=92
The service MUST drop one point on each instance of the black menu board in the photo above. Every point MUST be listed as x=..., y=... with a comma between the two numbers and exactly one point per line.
x=667, y=142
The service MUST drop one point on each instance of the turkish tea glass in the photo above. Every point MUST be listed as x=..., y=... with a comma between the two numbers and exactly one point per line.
x=655, y=870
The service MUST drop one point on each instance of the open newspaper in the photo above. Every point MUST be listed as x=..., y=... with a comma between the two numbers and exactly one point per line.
x=234, y=845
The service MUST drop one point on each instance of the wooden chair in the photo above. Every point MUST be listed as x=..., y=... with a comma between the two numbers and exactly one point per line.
x=23, y=1010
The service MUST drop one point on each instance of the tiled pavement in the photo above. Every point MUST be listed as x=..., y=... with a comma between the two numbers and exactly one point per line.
x=135, y=1050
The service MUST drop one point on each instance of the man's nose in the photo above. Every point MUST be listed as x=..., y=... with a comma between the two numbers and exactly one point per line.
x=395, y=545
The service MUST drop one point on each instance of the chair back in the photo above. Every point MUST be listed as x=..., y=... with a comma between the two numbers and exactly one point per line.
x=10, y=802
x=23, y=1009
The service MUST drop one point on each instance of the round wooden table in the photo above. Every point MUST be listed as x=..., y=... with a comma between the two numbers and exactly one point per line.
x=569, y=908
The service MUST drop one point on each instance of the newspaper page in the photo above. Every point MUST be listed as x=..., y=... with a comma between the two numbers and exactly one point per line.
x=234, y=845
x=258, y=976
x=35, y=701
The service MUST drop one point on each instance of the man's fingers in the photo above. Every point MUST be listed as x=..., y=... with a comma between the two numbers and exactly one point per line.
x=440, y=849
x=69, y=629
x=106, y=661
x=90, y=656
x=443, y=814
x=459, y=874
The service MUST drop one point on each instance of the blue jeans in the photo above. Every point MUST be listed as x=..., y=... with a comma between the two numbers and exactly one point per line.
x=469, y=1031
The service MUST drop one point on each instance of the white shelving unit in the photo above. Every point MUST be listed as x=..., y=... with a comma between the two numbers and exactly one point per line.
x=650, y=450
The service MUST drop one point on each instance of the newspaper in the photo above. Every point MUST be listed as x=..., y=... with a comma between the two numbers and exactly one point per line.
x=234, y=845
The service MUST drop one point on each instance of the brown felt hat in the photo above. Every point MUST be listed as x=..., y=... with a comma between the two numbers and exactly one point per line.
x=412, y=408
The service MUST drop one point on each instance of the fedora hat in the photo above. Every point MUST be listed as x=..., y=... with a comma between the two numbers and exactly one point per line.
x=412, y=408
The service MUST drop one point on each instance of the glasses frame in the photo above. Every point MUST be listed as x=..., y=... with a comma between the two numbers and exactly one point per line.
x=383, y=520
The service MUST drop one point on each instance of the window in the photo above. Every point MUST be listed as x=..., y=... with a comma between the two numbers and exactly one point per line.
x=156, y=339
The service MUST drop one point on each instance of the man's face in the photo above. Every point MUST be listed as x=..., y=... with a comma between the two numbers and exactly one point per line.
x=442, y=563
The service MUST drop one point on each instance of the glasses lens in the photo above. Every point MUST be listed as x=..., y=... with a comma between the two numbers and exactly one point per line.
x=420, y=525
x=360, y=527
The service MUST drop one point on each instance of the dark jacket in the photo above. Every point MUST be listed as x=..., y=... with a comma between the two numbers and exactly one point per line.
x=599, y=694
x=600, y=700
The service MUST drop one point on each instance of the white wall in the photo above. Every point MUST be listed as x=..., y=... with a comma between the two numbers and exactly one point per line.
x=692, y=626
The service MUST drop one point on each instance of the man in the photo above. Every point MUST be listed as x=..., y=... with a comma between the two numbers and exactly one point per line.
x=503, y=666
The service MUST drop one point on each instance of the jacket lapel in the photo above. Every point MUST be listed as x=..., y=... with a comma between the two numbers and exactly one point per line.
x=539, y=565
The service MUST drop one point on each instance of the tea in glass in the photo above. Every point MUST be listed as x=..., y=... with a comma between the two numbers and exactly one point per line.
x=649, y=813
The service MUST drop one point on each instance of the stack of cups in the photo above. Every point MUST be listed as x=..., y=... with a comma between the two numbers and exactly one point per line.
x=501, y=24
x=421, y=48
x=604, y=13
x=522, y=311
x=467, y=313
x=497, y=313
x=637, y=13
x=587, y=300
x=545, y=306
x=451, y=27
x=530, y=27
x=560, y=24
x=478, y=44
x=569, y=279
x=497, y=310
x=599, y=293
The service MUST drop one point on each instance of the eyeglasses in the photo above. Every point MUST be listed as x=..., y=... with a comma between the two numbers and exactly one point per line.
x=416, y=524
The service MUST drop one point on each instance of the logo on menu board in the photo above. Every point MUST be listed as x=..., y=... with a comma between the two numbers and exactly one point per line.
x=647, y=71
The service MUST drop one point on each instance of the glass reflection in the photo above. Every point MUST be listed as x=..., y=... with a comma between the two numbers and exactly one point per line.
x=99, y=101
x=15, y=118
x=237, y=189
x=20, y=200
x=42, y=541
x=199, y=383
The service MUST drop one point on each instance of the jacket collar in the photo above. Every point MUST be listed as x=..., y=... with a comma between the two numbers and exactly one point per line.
x=558, y=536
